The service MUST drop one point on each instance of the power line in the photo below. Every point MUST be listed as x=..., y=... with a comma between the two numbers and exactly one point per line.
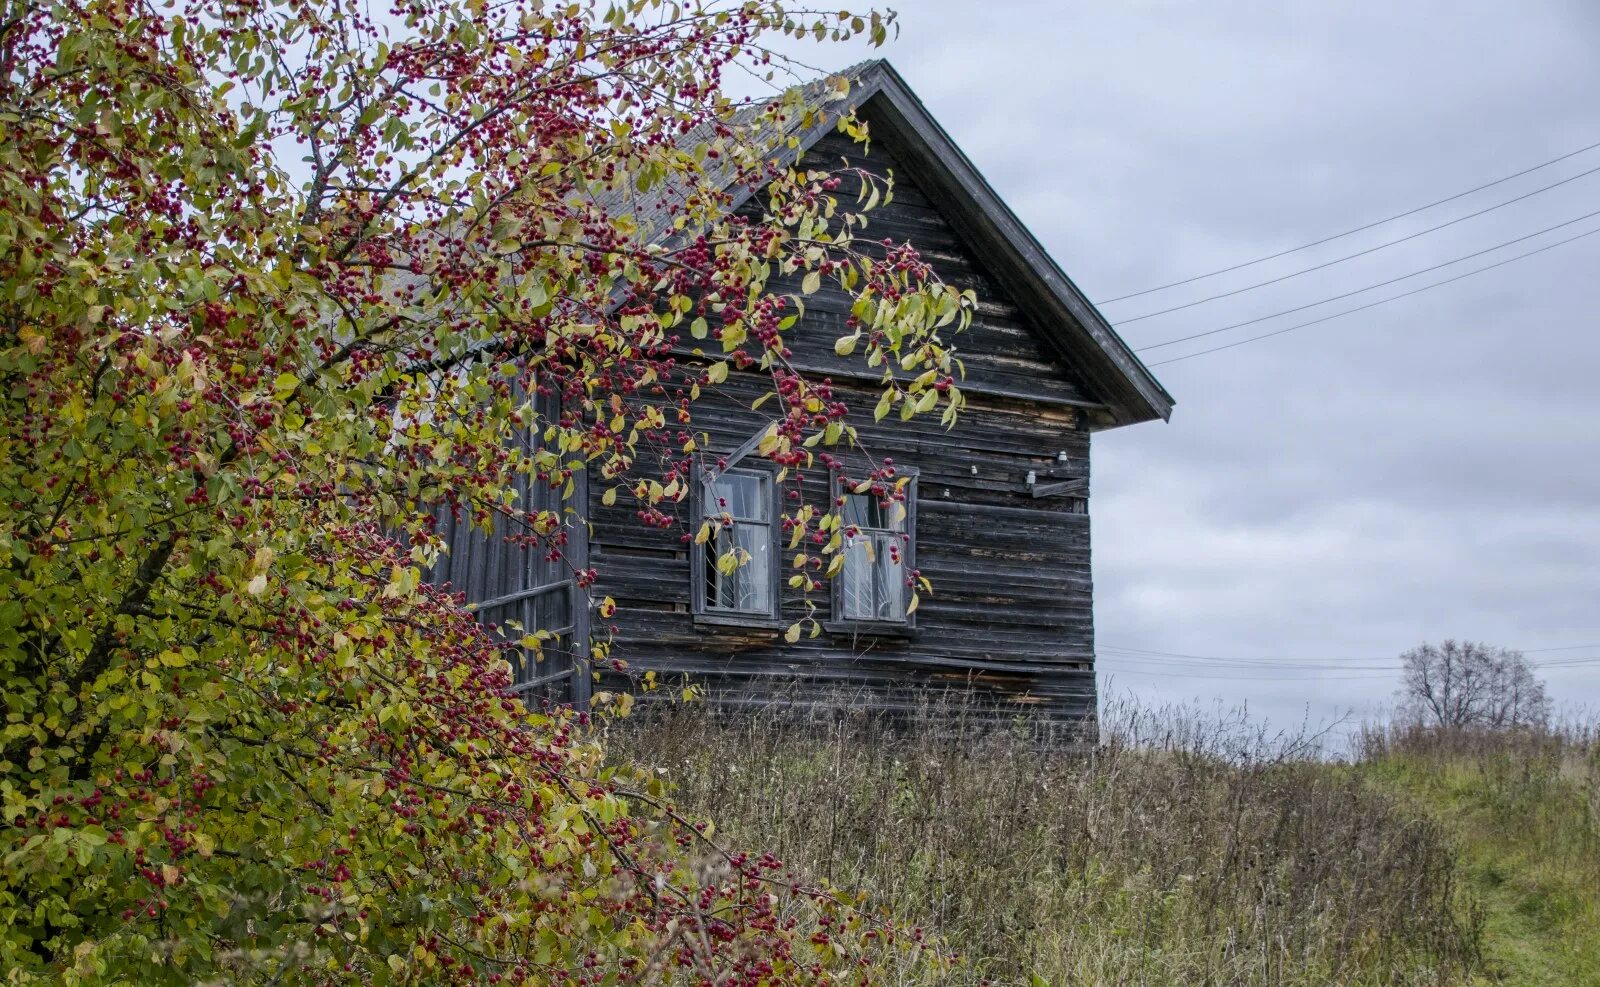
x=1170, y=674
x=1180, y=654
x=1381, y=301
x=1187, y=656
x=1359, y=253
x=1370, y=287
x=1358, y=229
x=1295, y=674
x=1288, y=672
x=1249, y=664
x=1142, y=654
x=1263, y=665
x=1181, y=665
x=1164, y=673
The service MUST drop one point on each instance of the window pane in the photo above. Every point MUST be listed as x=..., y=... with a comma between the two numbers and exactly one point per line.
x=744, y=495
x=873, y=583
x=748, y=588
x=867, y=511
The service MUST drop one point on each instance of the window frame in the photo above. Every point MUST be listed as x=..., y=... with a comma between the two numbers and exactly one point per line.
x=838, y=622
x=704, y=613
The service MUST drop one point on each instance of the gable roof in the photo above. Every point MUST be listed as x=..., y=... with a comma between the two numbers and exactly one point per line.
x=1066, y=319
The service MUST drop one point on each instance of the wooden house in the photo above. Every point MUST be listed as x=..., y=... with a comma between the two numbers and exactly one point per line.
x=998, y=515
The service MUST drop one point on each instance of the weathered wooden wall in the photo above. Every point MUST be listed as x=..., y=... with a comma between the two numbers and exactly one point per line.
x=1011, y=611
x=512, y=586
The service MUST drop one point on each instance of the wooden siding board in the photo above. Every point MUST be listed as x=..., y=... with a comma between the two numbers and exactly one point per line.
x=1024, y=367
x=1011, y=613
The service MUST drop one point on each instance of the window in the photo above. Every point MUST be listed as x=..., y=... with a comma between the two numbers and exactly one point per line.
x=874, y=584
x=735, y=563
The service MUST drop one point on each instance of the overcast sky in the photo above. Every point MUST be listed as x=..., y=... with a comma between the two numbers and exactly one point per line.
x=1425, y=469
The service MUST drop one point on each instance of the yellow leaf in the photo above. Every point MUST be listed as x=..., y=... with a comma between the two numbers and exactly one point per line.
x=793, y=633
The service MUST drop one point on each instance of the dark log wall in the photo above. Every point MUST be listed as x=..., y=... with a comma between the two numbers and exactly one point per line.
x=1011, y=612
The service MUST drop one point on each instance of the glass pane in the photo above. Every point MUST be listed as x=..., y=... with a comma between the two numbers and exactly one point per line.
x=748, y=588
x=744, y=495
x=873, y=583
x=867, y=511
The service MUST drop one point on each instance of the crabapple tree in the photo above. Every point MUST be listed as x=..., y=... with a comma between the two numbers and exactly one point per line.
x=279, y=280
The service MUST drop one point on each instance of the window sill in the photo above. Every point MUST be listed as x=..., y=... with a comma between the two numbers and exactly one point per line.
x=870, y=628
x=749, y=621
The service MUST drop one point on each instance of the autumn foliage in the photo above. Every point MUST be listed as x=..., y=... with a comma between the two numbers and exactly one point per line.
x=277, y=278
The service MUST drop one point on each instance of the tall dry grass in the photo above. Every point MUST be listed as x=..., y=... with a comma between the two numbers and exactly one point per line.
x=1181, y=849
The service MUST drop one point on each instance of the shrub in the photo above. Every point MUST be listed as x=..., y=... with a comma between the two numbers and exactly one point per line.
x=277, y=280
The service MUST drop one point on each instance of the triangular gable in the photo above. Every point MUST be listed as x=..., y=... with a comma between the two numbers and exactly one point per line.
x=1003, y=352
x=1067, y=321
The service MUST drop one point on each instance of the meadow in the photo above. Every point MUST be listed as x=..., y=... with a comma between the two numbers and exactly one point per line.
x=1185, y=847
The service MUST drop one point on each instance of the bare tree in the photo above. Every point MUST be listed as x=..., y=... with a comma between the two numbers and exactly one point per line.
x=1468, y=684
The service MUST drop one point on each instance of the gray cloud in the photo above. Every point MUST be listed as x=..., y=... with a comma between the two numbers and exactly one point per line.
x=1425, y=469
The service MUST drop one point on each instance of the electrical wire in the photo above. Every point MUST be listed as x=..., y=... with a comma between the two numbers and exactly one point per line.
x=1171, y=664
x=1381, y=301
x=1358, y=229
x=1179, y=654
x=1113, y=672
x=1370, y=287
x=1169, y=657
x=1359, y=253
x=1293, y=675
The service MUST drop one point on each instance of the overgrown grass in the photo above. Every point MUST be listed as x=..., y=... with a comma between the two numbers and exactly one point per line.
x=1524, y=811
x=1182, y=849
